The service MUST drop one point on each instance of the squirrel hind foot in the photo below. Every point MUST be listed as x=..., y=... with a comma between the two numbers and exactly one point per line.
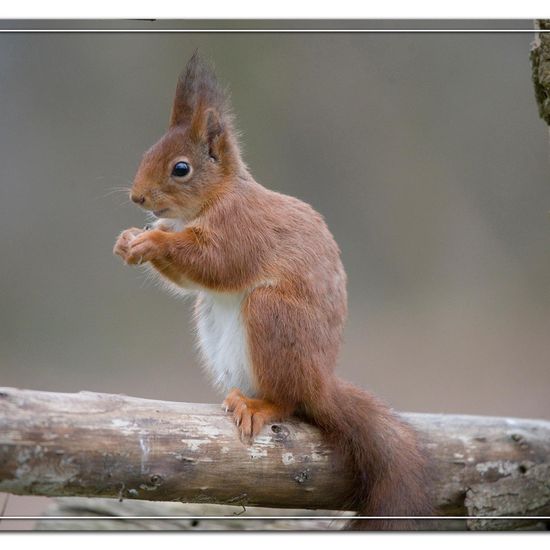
x=250, y=415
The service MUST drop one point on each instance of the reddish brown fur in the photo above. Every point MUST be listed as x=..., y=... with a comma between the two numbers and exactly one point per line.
x=239, y=237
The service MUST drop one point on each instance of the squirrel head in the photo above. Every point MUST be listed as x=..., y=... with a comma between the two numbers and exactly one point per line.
x=198, y=157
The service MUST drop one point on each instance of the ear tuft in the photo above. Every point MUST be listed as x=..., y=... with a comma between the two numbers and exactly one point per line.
x=197, y=89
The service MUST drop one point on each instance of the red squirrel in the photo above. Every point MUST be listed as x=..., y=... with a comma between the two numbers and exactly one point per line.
x=271, y=299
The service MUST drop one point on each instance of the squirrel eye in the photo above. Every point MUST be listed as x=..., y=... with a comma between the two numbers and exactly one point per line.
x=181, y=169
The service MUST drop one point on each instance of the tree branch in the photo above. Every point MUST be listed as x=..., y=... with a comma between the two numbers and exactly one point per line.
x=92, y=444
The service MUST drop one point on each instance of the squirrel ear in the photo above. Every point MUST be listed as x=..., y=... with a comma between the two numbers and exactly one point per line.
x=202, y=106
x=207, y=128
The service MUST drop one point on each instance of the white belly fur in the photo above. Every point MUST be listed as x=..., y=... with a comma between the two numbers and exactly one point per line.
x=222, y=340
x=221, y=332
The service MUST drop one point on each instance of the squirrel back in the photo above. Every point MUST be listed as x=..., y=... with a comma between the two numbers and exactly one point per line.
x=271, y=299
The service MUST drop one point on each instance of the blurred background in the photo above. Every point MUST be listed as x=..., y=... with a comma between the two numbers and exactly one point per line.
x=424, y=153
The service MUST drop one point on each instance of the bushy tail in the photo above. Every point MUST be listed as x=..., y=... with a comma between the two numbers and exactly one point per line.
x=388, y=465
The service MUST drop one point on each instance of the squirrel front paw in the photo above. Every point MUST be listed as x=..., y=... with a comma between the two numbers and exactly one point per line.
x=136, y=246
x=123, y=241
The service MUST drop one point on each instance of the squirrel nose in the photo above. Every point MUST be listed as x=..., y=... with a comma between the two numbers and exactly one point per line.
x=138, y=199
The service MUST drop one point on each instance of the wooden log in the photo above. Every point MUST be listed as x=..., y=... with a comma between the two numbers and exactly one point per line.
x=89, y=444
x=98, y=514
